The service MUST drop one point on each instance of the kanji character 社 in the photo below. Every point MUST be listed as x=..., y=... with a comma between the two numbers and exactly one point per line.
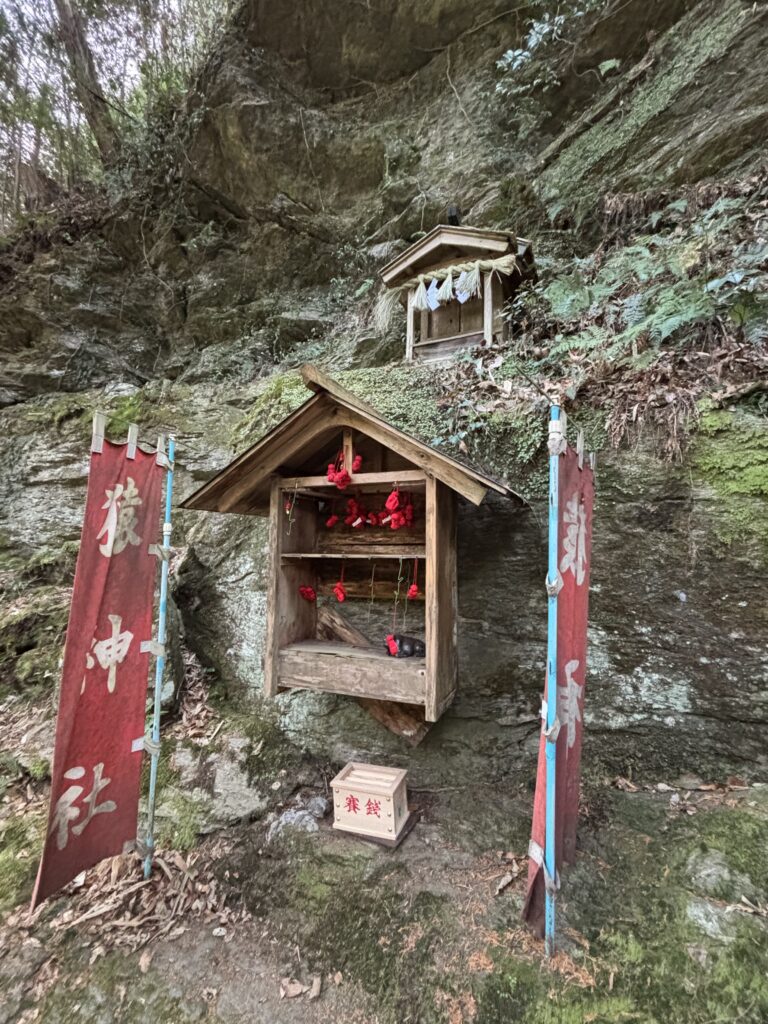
x=120, y=522
x=575, y=540
x=66, y=810
x=110, y=652
x=568, y=701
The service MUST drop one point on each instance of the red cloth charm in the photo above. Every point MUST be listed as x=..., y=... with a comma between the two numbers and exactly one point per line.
x=308, y=593
x=393, y=501
x=397, y=520
x=340, y=592
x=413, y=591
x=331, y=521
x=331, y=472
x=342, y=480
x=392, y=645
x=408, y=513
x=357, y=463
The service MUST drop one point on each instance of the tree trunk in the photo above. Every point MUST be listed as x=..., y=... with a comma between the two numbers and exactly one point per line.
x=87, y=87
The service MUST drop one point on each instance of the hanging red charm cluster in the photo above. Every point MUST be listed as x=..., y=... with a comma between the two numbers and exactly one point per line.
x=339, y=475
x=397, y=513
x=308, y=593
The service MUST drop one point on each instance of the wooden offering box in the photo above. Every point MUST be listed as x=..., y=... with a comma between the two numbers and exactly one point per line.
x=312, y=549
x=370, y=800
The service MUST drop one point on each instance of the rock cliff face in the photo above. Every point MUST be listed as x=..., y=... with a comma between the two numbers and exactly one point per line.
x=320, y=140
x=312, y=152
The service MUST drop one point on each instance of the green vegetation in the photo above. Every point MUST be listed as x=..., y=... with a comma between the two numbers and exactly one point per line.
x=20, y=840
x=730, y=455
x=31, y=637
x=642, y=916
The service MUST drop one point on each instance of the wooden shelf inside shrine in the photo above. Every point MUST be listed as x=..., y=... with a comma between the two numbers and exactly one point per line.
x=314, y=640
x=337, y=667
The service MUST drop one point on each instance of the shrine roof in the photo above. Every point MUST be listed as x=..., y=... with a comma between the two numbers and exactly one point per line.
x=243, y=486
x=445, y=244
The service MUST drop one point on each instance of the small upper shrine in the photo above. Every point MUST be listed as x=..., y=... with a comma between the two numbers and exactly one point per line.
x=454, y=283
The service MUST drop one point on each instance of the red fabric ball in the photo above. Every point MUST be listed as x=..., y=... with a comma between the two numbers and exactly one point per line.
x=373, y=519
x=308, y=593
x=392, y=645
x=350, y=518
x=357, y=463
x=331, y=521
x=413, y=591
x=397, y=520
x=331, y=472
x=340, y=592
x=393, y=501
x=342, y=480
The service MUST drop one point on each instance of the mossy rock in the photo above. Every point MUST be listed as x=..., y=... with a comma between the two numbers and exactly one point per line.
x=730, y=456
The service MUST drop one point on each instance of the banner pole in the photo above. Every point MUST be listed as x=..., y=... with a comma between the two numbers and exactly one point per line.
x=159, y=661
x=550, y=873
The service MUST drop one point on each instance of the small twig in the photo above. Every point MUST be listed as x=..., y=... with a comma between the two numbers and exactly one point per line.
x=309, y=159
x=455, y=93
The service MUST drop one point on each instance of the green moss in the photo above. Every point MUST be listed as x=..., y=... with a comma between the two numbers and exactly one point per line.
x=512, y=444
x=39, y=768
x=20, y=840
x=404, y=395
x=362, y=922
x=31, y=636
x=180, y=825
x=730, y=455
x=269, y=750
x=696, y=42
x=629, y=897
x=126, y=410
x=54, y=565
x=279, y=397
x=115, y=989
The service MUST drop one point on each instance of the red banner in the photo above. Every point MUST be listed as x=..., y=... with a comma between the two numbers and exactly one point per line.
x=100, y=726
x=576, y=499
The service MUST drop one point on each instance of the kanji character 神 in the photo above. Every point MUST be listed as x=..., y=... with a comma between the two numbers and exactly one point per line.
x=568, y=701
x=119, y=524
x=66, y=812
x=575, y=540
x=109, y=652
x=353, y=804
x=373, y=807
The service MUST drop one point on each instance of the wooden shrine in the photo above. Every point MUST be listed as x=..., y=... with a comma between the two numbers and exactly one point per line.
x=361, y=515
x=454, y=283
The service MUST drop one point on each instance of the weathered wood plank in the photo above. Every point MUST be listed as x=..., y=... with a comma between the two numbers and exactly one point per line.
x=454, y=475
x=487, y=309
x=404, y=551
x=410, y=326
x=356, y=672
x=289, y=616
x=402, y=476
x=271, y=639
x=440, y=596
x=405, y=720
x=348, y=449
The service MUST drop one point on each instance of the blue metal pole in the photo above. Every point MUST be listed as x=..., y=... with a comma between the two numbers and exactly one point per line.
x=160, y=661
x=550, y=874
